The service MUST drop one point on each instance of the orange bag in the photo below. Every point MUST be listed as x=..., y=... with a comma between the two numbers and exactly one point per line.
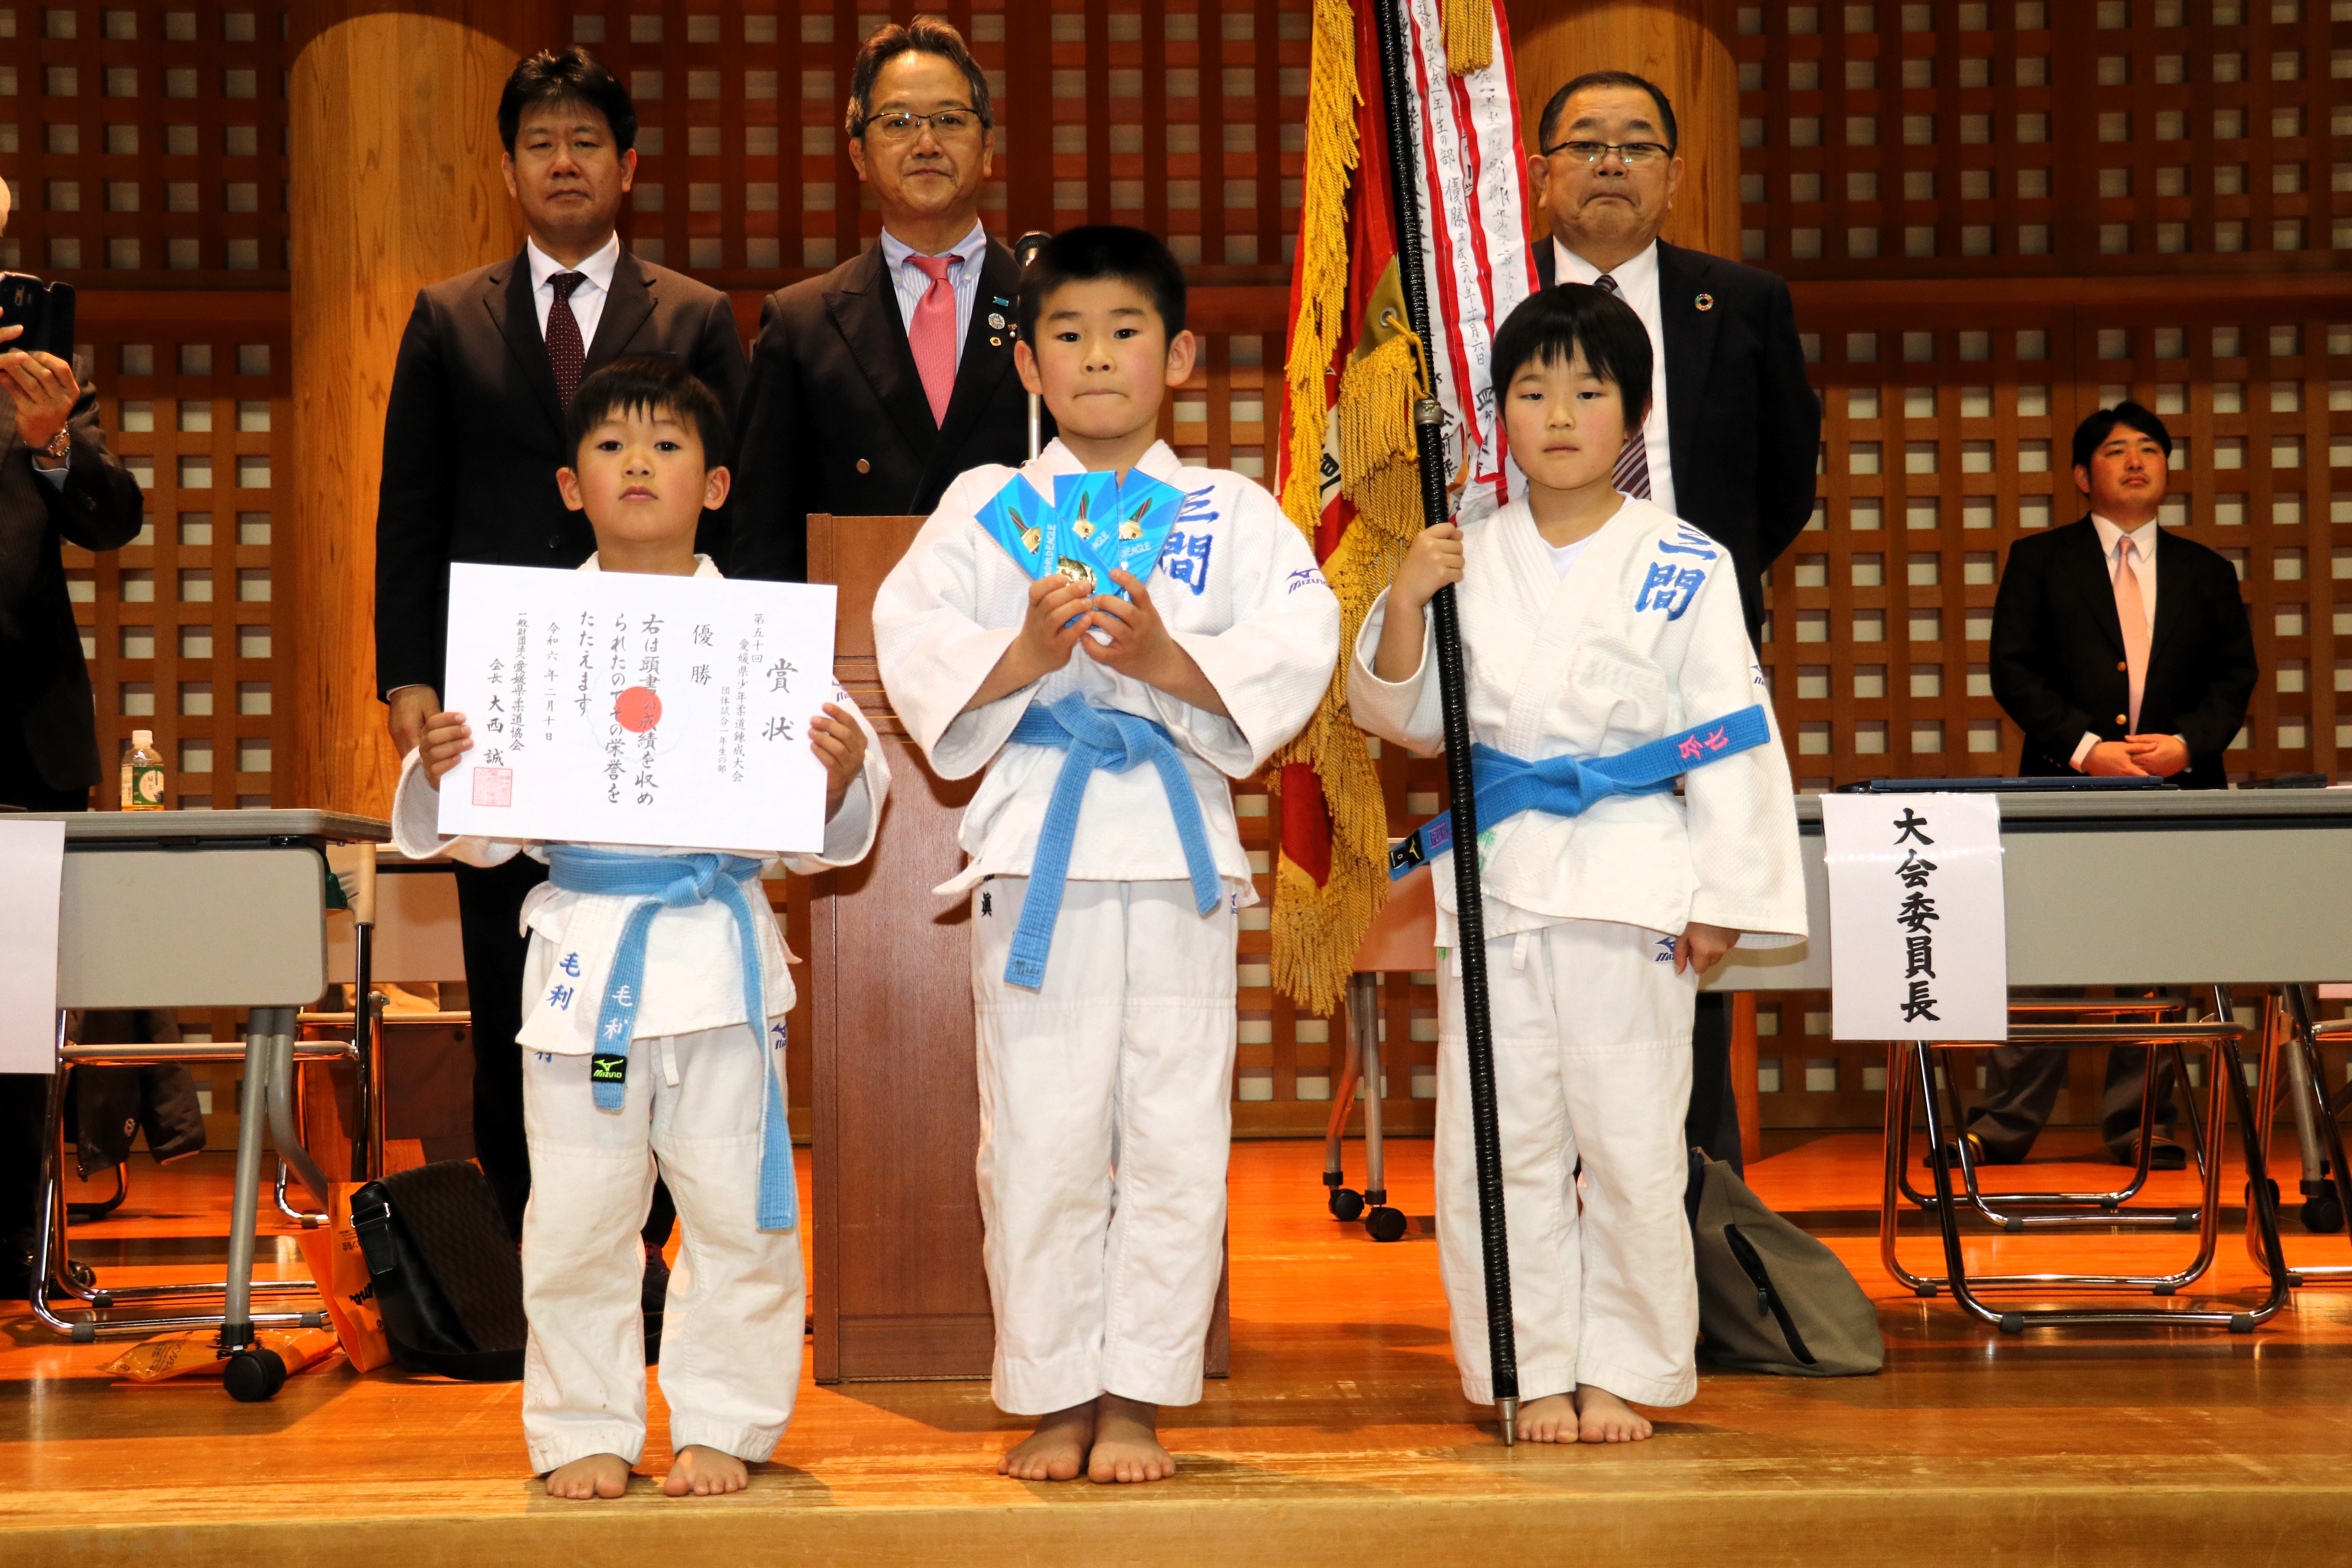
x=341, y=1273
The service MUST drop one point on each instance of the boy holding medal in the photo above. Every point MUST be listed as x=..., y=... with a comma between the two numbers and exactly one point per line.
x=1110, y=676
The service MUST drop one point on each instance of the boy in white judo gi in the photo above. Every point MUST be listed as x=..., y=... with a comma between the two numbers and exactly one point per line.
x=1103, y=938
x=674, y=954
x=1604, y=646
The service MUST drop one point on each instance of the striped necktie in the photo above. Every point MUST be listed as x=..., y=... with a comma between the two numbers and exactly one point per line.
x=1632, y=474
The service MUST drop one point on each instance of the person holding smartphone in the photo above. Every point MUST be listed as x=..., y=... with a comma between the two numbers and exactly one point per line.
x=58, y=482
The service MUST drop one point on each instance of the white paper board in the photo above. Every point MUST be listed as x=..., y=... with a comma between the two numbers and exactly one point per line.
x=612, y=707
x=1918, y=929
x=32, y=869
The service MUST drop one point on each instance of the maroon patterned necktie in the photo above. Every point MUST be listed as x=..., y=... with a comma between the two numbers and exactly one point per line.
x=565, y=353
x=1632, y=473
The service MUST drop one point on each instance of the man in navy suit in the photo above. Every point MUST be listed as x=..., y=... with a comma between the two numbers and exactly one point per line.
x=1734, y=426
x=2119, y=650
x=472, y=437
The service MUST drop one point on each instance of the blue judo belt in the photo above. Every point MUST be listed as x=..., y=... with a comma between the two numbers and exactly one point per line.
x=1096, y=738
x=680, y=881
x=1563, y=786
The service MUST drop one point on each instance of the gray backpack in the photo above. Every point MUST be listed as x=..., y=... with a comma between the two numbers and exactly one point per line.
x=1771, y=1298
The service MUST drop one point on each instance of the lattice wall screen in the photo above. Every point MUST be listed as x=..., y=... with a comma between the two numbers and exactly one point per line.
x=2089, y=168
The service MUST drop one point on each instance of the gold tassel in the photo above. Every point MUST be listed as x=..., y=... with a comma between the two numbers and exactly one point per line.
x=1317, y=931
x=1469, y=35
x=1322, y=253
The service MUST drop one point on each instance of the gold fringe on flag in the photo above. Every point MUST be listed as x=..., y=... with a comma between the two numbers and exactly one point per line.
x=1316, y=930
x=1322, y=253
x=1469, y=35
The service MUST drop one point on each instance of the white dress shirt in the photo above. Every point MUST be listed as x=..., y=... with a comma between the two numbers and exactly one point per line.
x=587, y=299
x=1637, y=285
x=2111, y=542
x=963, y=276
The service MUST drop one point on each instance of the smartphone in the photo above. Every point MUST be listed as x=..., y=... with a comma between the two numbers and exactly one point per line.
x=46, y=312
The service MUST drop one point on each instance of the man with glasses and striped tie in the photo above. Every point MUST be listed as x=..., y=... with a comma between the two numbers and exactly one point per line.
x=1733, y=426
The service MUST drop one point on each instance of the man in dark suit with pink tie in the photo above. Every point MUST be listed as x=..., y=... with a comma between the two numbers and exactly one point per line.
x=2121, y=650
x=876, y=385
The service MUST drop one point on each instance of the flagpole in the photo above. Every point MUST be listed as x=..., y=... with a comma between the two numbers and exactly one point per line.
x=1470, y=918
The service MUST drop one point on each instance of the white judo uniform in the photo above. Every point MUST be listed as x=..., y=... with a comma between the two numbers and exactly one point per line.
x=1640, y=638
x=1105, y=1092
x=694, y=1100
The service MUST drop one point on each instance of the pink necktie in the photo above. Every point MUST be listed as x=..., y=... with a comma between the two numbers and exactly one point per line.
x=2132, y=611
x=931, y=335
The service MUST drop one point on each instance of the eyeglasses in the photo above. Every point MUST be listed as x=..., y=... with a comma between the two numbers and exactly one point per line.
x=946, y=124
x=1634, y=154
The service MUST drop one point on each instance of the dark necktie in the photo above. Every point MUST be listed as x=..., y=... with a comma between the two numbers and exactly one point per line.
x=566, y=354
x=1632, y=474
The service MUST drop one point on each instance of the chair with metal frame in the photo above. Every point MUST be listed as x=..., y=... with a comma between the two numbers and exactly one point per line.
x=2103, y=1208
x=2293, y=1066
x=1401, y=937
x=1911, y=1073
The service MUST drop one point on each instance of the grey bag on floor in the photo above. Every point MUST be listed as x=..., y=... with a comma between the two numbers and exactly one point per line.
x=1771, y=1298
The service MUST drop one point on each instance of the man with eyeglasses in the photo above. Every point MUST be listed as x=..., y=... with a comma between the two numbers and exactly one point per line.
x=876, y=385
x=1732, y=427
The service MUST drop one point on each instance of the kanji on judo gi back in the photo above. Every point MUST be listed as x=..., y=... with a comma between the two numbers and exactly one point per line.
x=1918, y=929
x=619, y=707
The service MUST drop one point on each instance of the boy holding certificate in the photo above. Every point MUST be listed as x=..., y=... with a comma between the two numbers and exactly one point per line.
x=654, y=1003
x=1112, y=635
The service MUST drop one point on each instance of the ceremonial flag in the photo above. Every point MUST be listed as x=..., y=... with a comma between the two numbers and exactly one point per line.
x=1347, y=472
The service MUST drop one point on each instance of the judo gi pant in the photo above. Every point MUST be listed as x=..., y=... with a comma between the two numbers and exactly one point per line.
x=731, y=1349
x=1592, y=1061
x=1105, y=1121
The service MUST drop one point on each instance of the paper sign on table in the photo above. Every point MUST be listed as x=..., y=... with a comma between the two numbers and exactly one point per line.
x=614, y=708
x=32, y=868
x=1918, y=927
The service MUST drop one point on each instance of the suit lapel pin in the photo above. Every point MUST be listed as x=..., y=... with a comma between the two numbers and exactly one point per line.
x=1705, y=301
x=999, y=299
x=996, y=319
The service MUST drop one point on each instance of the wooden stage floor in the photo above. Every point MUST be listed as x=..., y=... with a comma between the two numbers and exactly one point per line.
x=1341, y=1437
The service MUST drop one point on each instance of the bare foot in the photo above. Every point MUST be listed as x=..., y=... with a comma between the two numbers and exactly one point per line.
x=1127, y=1444
x=598, y=1475
x=1602, y=1417
x=1551, y=1419
x=705, y=1472
x=1056, y=1451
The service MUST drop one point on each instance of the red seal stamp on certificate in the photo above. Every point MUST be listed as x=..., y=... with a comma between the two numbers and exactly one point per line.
x=637, y=710
x=493, y=787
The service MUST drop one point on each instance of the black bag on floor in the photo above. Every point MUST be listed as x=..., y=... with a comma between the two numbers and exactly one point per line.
x=1772, y=1297
x=446, y=1272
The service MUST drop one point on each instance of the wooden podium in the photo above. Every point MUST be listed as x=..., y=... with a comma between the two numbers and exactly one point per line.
x=898, y=1289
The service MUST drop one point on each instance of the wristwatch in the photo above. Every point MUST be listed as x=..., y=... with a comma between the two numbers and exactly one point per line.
x=60, y=445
